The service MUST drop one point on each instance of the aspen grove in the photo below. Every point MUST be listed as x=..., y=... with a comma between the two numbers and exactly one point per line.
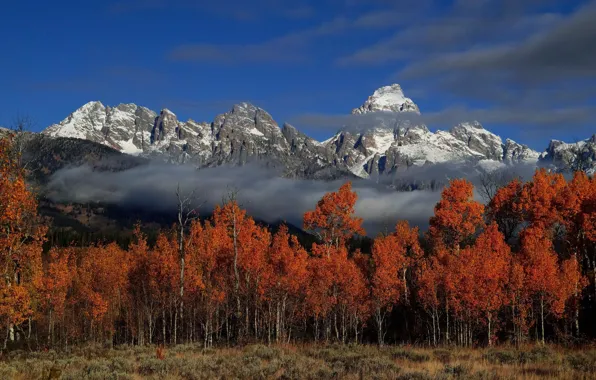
x=520, y=268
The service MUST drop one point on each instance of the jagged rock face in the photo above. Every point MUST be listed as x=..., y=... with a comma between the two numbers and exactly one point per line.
x=165, y=125
x=246, y=132
x=126, y=128
x=576, y=156
x=312, y=159
x=479, y=140
x=395, y=145
x=514, y=152
x=386, y=151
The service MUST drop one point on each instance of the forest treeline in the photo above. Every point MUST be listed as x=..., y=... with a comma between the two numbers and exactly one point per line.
x=521, y=268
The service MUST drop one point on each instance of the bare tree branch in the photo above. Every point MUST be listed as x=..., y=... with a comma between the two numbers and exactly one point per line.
x=21, y=125
x=188, y=211
x=491, y=182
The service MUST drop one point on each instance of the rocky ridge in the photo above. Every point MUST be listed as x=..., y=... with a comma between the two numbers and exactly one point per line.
x=247, y=132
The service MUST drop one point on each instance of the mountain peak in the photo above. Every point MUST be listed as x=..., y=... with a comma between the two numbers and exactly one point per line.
x=166, y=111
x=247, y=131
x=387, y=99
x=93, y=103
x=244, y=106
x=394, y=89
x=91, y=106
x=472, y=125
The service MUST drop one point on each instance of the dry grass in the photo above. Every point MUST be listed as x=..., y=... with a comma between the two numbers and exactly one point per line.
x=302, y=362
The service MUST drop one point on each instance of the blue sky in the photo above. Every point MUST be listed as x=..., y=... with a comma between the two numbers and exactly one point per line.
x=525, y=71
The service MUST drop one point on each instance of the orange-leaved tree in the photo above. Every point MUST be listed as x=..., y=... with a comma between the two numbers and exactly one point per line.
x=101, y=285
x=389, y=258
x=542, y=274
x=541, y=199
x=579, y=217
x=285, y=279
x=337, y=292
x=21, y=238
x=337, y=284
x=505, y=209
x=246, y=253
x=408, y=238
x=430, y=293
x=491, y=273
x=457, y=219
x=457, y=215
x=333, y=219
x=210, y=274
x=57, y=281
x=164, y=272
x=142, y=299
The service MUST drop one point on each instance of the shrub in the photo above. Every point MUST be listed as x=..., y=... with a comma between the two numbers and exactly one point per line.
x=378, y=365
x=121, y=364
x=263, y=352
x=192, y=368
x=486, y=375
x=108, y=369
x=414, y=376
x=501, y=357
x=303, y=367
x=7, y=371
x=458, y=370
x=410, y=355
x=538, y=355
x=444, y=356
x=152, y=366
x=581, y=362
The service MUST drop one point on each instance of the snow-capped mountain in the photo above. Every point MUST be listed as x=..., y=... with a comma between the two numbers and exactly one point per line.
x=126, y=127
x=576, y=156
x=247, y=132
x=387, y=99
x=396, y=145
x=244, y=133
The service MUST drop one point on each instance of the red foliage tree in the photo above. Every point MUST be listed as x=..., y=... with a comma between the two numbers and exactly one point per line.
x=210, y=271
x=249, y=244
x=491, y=275
x=540, y=199
x=333, y=219
x=57, y=280
x=457, y=215
x=408, y=238
x=505, y=209
x=389, y=257
x=101, y=284
x=21, y=238
x=285, y=281
x=542, y=274
x=430, y=273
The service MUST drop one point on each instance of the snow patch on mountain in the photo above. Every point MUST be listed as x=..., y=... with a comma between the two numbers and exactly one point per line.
x=387, y=99
x=248, y=132
x=580, y=155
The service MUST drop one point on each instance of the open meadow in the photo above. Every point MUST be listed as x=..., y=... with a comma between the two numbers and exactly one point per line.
x=301, y=362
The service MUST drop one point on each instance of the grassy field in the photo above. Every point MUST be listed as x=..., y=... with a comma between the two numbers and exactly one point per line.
x=301, y=362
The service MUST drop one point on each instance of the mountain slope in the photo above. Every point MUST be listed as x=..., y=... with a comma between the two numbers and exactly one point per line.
x=577, y=156
x=246, y=132
x=125, y=127
x=395, y=145
x=387, y=99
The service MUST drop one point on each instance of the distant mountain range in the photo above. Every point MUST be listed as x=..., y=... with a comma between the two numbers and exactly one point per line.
x=246, y=132
x=402, y=154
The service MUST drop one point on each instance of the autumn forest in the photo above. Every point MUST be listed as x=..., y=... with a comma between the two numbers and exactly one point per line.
x=520, y=268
